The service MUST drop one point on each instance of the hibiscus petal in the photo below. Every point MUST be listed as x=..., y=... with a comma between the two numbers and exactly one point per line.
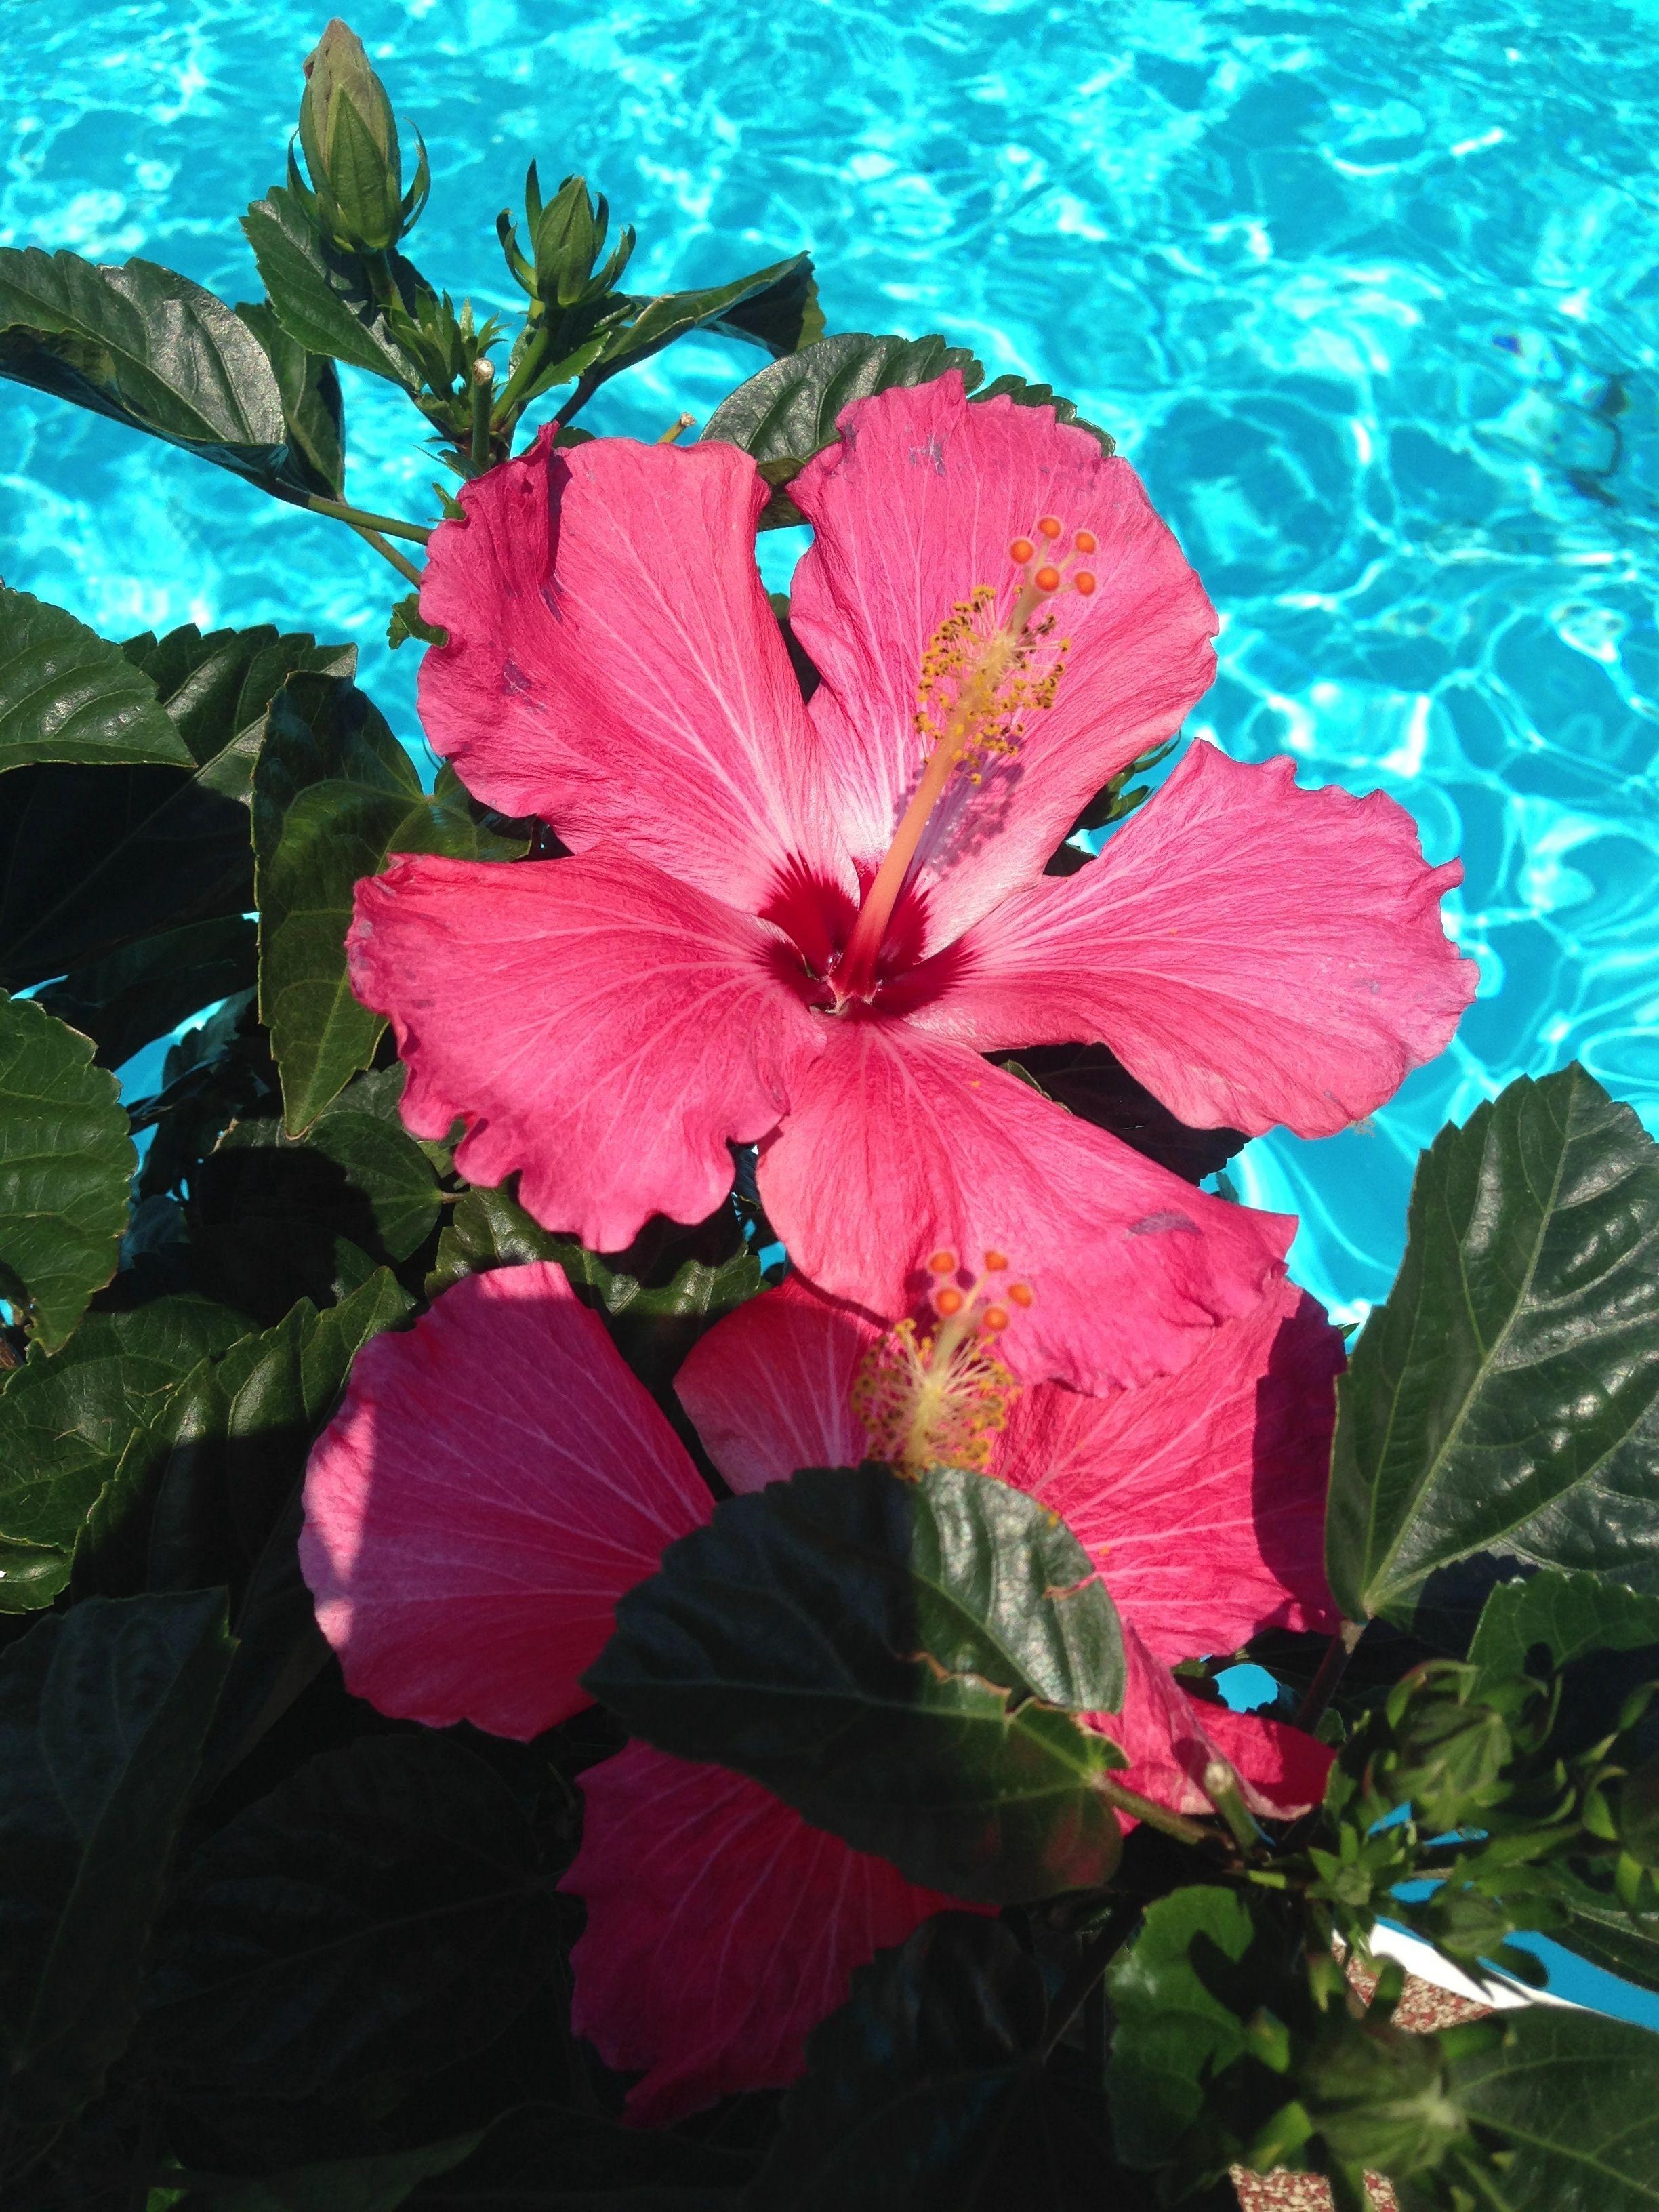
x=600, y=1027
x=1170, y=1739
x=721, y=1929
x=915, y=506
x=1253, y=952
x=898, y=1145
x=767, y=1388
x=614, y=666
x=1200, y=1496
x=494, y=1481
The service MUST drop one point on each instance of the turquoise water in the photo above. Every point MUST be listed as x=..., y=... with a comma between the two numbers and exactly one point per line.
x=1369, y=292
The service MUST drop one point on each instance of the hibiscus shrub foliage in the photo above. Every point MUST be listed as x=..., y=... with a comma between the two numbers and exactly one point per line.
x=627, y=1491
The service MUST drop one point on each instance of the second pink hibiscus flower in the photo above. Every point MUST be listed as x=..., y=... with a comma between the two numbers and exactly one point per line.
x=806, y=924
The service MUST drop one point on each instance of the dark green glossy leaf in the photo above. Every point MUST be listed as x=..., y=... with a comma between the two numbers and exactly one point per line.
x=1601, y=1639
x=1506, y=1398
x=1205, y=1959
x=68, y=694
x=321, y=296
x=67, y=1422
x=94, y=858
x=928, y=2092
x=335, y=796
x=783, y=317
x=1598, y=1928
x=777, y=299
x=900, y=1660
x=66, y=1161
x=786, y=412
x=549, y=2157
x=309, y=385
x=125, y=1000
x=386, y=1908
x=406, y=622
x=375, y=2183
x=1568, y=2099
x=657, y=1298
x=150, y=349
x=1094, y=1085
x=238, y=1432
x=377, y=1186
x=103, y=1711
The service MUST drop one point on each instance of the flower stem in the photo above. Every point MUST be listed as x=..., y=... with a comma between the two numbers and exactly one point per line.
x=1156, y=1816
x=388, y=552
x=484, y=385
x=1332, y=1668
x=679, y=423
x=360, y=517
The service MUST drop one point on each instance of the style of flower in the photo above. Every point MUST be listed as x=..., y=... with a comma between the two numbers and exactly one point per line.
x=496, y=1480
x=805, y=924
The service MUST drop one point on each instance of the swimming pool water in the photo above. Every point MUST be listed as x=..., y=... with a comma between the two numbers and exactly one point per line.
x=1369, y=292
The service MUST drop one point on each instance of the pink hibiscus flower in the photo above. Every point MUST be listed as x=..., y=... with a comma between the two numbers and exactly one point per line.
x=806, y=924
x=496, y=1480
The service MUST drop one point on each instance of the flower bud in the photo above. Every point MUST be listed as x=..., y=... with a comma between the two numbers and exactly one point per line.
x=350, y=135
x=1381, y=2098
x=567, y=236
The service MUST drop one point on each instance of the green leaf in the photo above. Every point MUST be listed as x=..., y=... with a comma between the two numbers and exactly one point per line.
x=238, y=1432
x=94, y=859
x=406, y=622
x=928, y=2092
x=1599, y=1929
x=1205, y=1959
x=309, y=385
x=150, y=349
x=68, y=694
x=320, y=295
x=655, y=1303
x=1504, y=1399
x=335, y=796
x=552, y=2158
x=1603, y=1641
x=103, y=1711
x=131, y=997
x=786, y=412
x=1568, y=2099
x=1093, y=1083
x=900, y=1660
x=375, y=2183
x=354, y=1175
x=777, y=298
x=384, y=1910
x=783, y=317
x=66, y=1161
x=67, y=1422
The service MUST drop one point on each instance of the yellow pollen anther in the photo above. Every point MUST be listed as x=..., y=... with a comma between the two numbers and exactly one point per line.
x=935, y=1401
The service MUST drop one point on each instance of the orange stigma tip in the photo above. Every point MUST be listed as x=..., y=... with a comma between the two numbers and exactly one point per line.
x=943, y=1263
x=1085, y=541
x=1047, y=580
x=995, y=1262
x=1021, y=1293
x=949, y=1301
x=1049, y=526
x=1021, y=551
x=996, y=1319
x=1083, y=582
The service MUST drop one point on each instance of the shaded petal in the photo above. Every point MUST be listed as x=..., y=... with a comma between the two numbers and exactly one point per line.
x=494, y=1482
x=1170, y=1738
x=600, y=1027
x=767, y=1388
x=1253, y=953
x=915, y=506
x=721, y=1929
x=614, y=666
x=897, y=1144
x=1200, y=1496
